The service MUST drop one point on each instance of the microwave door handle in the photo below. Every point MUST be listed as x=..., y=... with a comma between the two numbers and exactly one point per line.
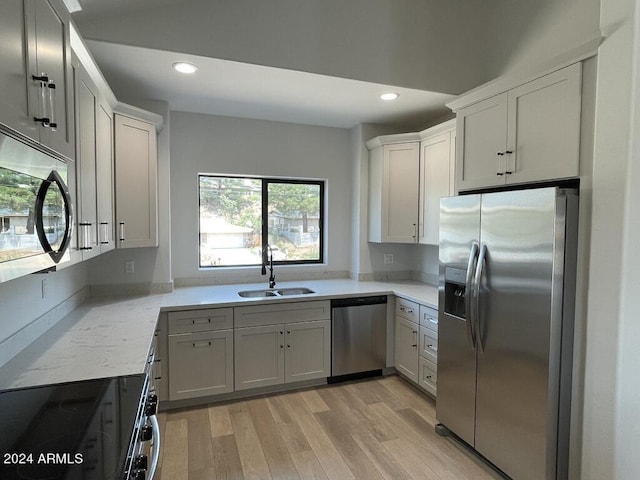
x=471, y=336
x=478, y=278
x=156, y=446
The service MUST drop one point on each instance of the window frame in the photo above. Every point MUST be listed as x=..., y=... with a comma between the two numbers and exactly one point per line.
x=264, y=214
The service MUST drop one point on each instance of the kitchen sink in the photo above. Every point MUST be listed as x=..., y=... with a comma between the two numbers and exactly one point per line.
x=294, y=291
x=257, y=293
x=280, y=292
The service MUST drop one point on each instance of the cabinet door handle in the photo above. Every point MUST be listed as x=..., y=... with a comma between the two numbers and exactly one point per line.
x=428, y=377
x=508, y=152
x=415, y=231
x=85, y=233
x=104, y=234
x=121, y=231
x=43, y=80
x=52, y=105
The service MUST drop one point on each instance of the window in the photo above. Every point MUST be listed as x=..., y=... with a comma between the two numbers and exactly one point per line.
x=241, y=216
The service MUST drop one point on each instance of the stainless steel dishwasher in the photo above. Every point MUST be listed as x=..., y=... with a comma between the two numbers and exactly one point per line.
x=358, y=337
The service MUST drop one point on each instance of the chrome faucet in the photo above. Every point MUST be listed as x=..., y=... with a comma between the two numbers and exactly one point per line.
x=272, y=278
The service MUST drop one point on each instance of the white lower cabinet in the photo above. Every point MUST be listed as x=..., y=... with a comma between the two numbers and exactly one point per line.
x=428, y=376
x=222, y=350
x=282, y=353
x=406, y=348
x=200, y=353
x=416, y=343
x=283, y=343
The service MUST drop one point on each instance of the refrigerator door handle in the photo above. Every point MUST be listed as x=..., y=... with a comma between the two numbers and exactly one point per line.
x=471, y=336
x=476, y=295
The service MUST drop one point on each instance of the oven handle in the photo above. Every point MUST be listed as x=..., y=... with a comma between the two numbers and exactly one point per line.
x=156, y=446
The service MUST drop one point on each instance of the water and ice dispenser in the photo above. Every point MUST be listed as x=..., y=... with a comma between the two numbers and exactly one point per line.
x=455, y=291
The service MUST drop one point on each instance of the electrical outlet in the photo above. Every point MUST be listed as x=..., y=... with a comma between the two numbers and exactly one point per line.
x=44, y=288
x=388, y=258
x=129, y=266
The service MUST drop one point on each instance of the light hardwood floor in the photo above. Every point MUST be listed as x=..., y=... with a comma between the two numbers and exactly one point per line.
x=372, y=430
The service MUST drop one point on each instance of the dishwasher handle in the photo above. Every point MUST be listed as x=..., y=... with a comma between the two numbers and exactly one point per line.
x=358, y=301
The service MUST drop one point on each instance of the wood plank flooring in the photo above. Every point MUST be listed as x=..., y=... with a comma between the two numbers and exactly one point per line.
x=380, y=429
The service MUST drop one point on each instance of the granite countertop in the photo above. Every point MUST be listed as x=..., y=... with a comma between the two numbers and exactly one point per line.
x=111, y=336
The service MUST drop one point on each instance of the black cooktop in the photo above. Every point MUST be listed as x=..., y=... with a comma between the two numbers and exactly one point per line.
x=68, y=431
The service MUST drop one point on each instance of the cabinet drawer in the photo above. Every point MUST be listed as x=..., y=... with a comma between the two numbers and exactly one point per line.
x=428, y=344
x=191, y=321
x=282, y=313
x=429, y=317
x=407, y=309
x=428, y=376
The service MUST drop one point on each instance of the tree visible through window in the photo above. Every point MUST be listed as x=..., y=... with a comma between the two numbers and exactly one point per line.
x=240, y=216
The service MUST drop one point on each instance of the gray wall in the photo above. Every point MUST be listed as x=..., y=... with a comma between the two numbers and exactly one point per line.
x=226, y=145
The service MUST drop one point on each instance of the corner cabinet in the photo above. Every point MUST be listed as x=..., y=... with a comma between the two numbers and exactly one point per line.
x=35, y=83
x=136, y=182
x=408, y=173
x=529, y=133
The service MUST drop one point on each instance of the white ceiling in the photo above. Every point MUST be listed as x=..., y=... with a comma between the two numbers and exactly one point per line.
x=227, y=88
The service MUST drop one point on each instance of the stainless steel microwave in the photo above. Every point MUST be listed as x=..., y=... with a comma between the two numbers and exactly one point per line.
x=35, y=209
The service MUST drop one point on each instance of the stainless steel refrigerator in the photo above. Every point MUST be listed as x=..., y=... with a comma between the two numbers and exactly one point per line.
x=506, y=308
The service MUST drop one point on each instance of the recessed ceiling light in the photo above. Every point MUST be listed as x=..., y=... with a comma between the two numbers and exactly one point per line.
x=389, y=96
x=184, y=67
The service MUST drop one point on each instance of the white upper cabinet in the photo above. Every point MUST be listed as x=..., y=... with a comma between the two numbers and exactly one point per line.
x=136, y=182
x=94, y=231
x=14, y=109
x=529, y=133
x=393, y=192
x=437, y=161
x=35, y=82
x=86, y=105
x=408, y=173
x=104, y=177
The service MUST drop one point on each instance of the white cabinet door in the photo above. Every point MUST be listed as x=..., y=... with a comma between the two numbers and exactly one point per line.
x=393, y=193
x=104, y=177
x=406, y=348
x=435, y=182
x=49, y=55
x=544, y=127
x=259, y=356
x=14, y=110
x=201, y=364
x=86, y=104
x=136, y=183
x=308, y=350
x=482, y=137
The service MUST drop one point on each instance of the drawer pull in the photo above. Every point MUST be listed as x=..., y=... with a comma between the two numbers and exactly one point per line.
x=435, y=349
x=202, y=344
x=428, y=377
x=433, y=320
x=194, y=322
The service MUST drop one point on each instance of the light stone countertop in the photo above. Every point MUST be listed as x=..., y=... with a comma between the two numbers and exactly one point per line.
x=111, y=336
